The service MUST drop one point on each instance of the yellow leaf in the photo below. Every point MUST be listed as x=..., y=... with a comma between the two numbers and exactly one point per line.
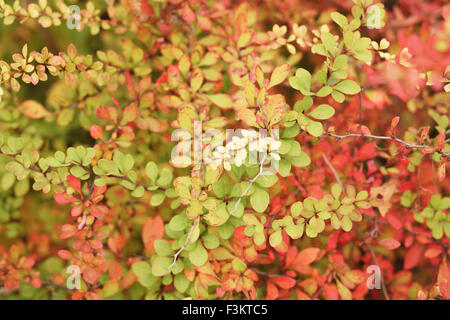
x=33, y=109
x=279, y=74
x=248, y=116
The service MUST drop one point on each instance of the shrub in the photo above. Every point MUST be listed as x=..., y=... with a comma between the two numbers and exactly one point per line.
x=224, y=150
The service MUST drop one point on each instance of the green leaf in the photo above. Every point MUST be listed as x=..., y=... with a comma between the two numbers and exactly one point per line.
x=324, y=91
x=275, y=238
x=160, y=265
x=329, y=41
x=341, y=62
x=8, y=180
x=79, y=172
x=110, y=288
x=165, y=177
x=238, y=265
x=340, y=19
x=302, y=160
x=279, y=74
x=151, y=169
x=348, y=87
x=138, y=192
x=260, y=200
x=199, y=255
x=211, y=241
x=181, y=283
x=178, y=223
x=339, y=97
x=141, y=269
x=336, y=191
x=157, y=199
x=162, y=247
x=315, y=128
x=301, y=81
x=284, y=168
x=296, y=209
x=221, y=100
x=346, y=223
x=322, y=112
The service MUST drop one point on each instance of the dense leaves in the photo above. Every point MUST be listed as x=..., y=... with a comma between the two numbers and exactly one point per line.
x=224, y=150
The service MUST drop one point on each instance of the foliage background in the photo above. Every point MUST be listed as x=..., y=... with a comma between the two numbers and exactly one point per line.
x=401, y=225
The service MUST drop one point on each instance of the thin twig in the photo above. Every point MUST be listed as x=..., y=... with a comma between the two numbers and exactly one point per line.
x=333, y=170
x=272, y=275
x=175, y=256
x=261, y=168
x=375, y=260
x=392, y=138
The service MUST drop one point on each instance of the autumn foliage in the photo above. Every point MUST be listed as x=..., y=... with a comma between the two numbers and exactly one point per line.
x=101, y=189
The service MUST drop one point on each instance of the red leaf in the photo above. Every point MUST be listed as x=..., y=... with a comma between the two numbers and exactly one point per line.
x=290, y=256
x=36, y=282
x=432, y=252
x=96, y=132
x=394, y=123
x=130, y=84
x=441, y=139
x=187, y=14
x=74, y=183
x=28, y=263
x=115, y=270
x=337, y=258
x=10, y=283
x=63, y=198
x=90, y=275
x=394, y=221
x=68, y=231
x=389, y=243
x=98, y=210
x=65, y=254
x=147, y=8
x=103, y=113
x=284, y=282
x=239, y=234
x=98, y=190
x=76, y=211
x=332, y=240
x=330, y=292
x=153, y=229
x=307, y=256
x=272, y=291
x=413, y=256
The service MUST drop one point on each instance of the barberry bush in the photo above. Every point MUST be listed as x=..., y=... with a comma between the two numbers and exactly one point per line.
x=216, y=149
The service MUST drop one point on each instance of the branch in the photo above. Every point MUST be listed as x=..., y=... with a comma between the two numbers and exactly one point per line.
x=333, y=170
x=175, y=256
x=392, y=138
x=261, y=168
x=375, y=260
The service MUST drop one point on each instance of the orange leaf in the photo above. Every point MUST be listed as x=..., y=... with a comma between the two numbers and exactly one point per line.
x=96, y=132
x=33, y=109
x=284, y=282
x=307, y=256
x=389, y=243
x=153, y=229
x=115, y=270
x=413, y=256
x=272, y=291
